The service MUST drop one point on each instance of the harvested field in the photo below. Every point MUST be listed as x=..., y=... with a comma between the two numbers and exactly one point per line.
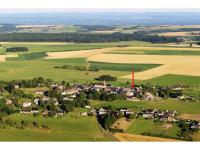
x=125, y=137
x=122, y=123
x=2, y=58
x=172, y=64
x=174, y=34
x=183, y=65
x=77, y=54
x=190, y=116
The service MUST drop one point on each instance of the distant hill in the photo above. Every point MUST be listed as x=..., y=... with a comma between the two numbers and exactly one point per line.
x=102, y=18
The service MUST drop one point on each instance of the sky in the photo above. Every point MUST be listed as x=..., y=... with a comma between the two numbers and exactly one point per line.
x=87, y=4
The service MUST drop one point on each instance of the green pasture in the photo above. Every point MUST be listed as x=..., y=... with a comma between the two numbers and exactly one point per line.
x=140, y=126
x=171, y=79
x=122, y=67
x=165, y=104
x=67, y=128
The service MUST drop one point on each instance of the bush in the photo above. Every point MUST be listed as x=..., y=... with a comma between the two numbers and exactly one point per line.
x=35, y=124
x=106, y=78
x=17, y=49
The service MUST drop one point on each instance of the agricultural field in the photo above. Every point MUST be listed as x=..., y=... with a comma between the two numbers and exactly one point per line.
x=165, y=104
x=67, y=128
x=153, y=63
x=126, y=137
x=171, y=79
x=140, y=126
x=13, y=70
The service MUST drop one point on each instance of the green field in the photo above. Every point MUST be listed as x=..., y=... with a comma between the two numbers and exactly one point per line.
x=67, y=128
x=171, y=79
x=28, y=56
x=13, y=70
x=157, y=52
x=180, y=106
x=122, y=67
x=64, y=46
x=140, y=126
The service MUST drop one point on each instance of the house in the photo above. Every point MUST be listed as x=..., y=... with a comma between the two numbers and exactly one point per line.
x=127, y=92
x=148, y=96
x=88, y=107
x=45, y=99
x=99, y=86
x=70, y=92
x=83, y=114
x=123, y=111
x=101, y=111
x=148, y=115
x=59, y=113
x=181, y=97
x=16, y=86
x=177, y=89
x=23, y=112
x=46, y=113
x=129, y=112
x=26, y=104
x=60, y=87
x=8, y=102
x=67, y=99
x=113, y=89
x=56, y=103
x=36, y=101
x=93, y=111
x=39, y=92
x=34, y=111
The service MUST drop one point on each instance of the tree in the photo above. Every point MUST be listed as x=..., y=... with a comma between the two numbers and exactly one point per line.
x=24, y=123
x=35, y=124
x=67, y=106
x=10, y=87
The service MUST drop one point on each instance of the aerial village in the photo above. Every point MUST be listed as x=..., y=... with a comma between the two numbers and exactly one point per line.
x=61, y=98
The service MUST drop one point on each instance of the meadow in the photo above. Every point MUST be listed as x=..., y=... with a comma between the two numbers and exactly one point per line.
x=67, y=128
x=165, y=104
x=121, y=67
x=140, y=126
x=27, y=69
x=171, y=79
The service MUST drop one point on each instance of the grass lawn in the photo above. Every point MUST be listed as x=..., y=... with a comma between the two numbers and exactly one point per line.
x=180, y=106
x=170, y=79
x=122, y=67
x=140, y=126
x=67, y=128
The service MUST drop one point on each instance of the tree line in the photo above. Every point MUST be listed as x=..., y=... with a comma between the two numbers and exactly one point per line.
x=87, y=38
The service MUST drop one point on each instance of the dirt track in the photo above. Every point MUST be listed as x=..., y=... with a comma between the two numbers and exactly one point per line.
x=125, y=137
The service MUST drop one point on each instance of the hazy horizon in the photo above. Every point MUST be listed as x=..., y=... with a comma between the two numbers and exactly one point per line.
x=108, y=17
x=47, y=10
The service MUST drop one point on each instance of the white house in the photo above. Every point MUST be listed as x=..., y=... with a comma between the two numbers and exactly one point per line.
x=88, y=107
x=8, y=102
x=26, y=104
